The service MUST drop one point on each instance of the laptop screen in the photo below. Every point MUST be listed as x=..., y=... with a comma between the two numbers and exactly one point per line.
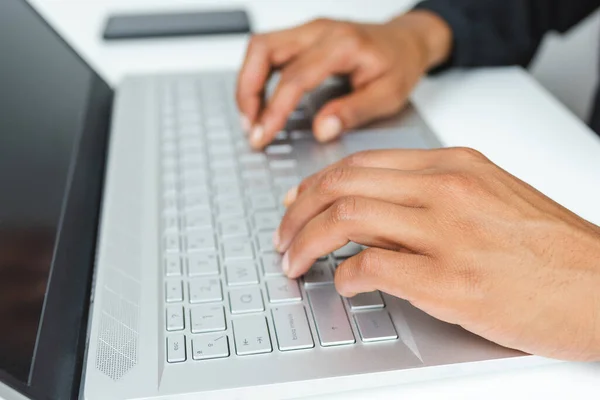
x=45, y=104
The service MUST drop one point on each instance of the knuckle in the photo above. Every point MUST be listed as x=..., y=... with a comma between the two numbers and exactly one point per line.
x=458, y=182
x=295, y=81
x=344, y=210
x=347, y=29
x=321, y=22
x=257, y=41
x=467, y=154
x=332, y=180
x=369, y=262
x=359, y=159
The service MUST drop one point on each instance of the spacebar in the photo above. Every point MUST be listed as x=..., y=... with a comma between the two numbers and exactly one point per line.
x=330, y=316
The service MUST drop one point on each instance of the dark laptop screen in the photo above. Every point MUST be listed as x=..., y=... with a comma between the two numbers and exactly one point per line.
x=45, y=93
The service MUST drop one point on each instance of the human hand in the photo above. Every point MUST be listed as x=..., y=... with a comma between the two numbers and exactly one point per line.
x=383, y=62
x=459, y=238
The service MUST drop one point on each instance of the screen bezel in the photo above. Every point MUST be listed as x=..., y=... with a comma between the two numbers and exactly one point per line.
x=58, y=358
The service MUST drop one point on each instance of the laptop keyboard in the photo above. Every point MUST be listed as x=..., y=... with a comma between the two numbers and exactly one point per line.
x=225, y=294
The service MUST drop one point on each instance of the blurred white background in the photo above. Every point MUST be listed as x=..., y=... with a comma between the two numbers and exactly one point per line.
x=567, y=65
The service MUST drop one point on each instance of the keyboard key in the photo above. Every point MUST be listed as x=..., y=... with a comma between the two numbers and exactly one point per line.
x=200, y=240
x=176, y=348
x=171, y=224
x=278, y=149
x=291, y=327
x=267, y=220
x=227, y=190
x=255, y=173
x=365, y=301
x=320, y=273
x=332, y=323
x=234, y=227
x=230, y=207
x=283, y=290
x=257, y=185
x=234, y=250
x=251, y=335
x=271, y=264
x=195, y=200
x=174, y=318
x=241, y=273
x=265, y=242
x=246, y=300
x=207, y=319
x=210, y=346
x=349, y=250
x=172, y=265
x=203, y=264
x=197, y=219
x=265, y=201
x=173, y=291
x=252, y=158
x=205, y=290
x=283, y=164
x=375, y=326
x=171, y=243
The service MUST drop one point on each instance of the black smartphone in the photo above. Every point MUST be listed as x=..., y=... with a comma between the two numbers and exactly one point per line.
x=137, y=26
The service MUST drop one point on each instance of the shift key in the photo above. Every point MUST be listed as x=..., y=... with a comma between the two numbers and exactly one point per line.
x=291, y=326
x=330, y=316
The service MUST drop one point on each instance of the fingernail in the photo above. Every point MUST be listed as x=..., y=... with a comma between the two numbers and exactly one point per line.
x=276, y=239
x=328, y=128
x=285, y=263
x=245, y=123
x=290, y=196
x=257, y=135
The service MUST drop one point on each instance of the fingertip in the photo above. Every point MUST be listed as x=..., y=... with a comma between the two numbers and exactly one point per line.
x=328, y=128
x=290, y=196
x=256, y=136
x=245, y=123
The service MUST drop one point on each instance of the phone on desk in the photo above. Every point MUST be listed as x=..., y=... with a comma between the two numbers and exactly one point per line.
x=154, y=25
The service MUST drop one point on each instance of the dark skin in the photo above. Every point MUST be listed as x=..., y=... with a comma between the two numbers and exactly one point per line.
x=447, y=230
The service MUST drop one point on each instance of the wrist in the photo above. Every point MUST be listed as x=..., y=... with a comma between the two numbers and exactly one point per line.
x=432, y=33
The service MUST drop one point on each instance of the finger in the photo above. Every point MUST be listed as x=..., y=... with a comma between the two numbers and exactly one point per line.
x=404, y=275
x=377, y=99
x=404, y=188
x=365, y=221
x=302, y=75
x=400, y=159
x=263, y=54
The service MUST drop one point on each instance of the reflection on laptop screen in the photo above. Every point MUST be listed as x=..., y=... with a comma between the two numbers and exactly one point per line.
x=43, y=90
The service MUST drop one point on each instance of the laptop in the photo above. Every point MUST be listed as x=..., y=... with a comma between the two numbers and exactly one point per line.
x=135, y=244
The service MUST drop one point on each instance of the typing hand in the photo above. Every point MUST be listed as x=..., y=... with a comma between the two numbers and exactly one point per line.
x=461, y=239
x=383, y=63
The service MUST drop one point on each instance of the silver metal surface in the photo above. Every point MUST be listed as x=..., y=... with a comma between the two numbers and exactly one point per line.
x=319, y=274
x=207, y=318
x=165, y=180
x=365, y=301
x=205, y=347
x=176, y=351
x=247, y=299
x=283, y=290
x=291, y=327
x=330, y=316
x=251, y=335
x=175, y=318
x=375, y=326
x=241, y=273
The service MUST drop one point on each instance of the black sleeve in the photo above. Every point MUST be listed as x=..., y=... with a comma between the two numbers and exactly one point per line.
x=504, y=32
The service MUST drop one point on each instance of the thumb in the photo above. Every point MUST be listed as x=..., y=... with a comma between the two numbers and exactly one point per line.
x=380, y=98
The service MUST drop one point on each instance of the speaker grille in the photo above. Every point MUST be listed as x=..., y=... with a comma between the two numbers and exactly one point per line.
x=117, y=350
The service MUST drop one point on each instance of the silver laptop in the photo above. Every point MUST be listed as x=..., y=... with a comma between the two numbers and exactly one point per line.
x=136, y=258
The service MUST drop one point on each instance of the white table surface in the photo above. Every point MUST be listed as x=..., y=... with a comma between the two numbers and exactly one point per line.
x=502, y=112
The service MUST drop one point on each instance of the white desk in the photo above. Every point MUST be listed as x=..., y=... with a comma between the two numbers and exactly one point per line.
x=503, y=113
